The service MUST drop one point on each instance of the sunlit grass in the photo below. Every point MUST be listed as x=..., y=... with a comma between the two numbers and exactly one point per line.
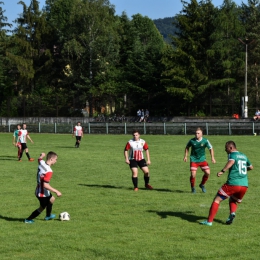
x=111, y=221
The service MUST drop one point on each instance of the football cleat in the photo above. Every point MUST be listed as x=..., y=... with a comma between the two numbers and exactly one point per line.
x=206, y=223
x=230, y=219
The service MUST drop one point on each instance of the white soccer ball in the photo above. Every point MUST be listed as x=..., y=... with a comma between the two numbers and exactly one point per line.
x=255, y=134
x=64, y=216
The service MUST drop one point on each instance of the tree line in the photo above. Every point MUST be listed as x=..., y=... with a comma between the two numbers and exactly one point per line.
x=74, y=54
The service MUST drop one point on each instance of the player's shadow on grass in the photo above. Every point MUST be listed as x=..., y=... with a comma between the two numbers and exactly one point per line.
x=8, y=158
x=187, y=215
x=121, y=187
x=12, y=219
x=102, y=186
x=69, y=147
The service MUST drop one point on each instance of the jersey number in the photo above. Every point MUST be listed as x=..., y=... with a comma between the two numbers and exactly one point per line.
x=242, y=167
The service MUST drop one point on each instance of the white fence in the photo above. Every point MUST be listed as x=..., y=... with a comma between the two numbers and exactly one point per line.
x=162, y=128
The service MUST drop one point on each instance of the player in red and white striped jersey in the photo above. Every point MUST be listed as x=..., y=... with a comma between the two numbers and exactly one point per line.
x=43, y=188
x=22, y=136
x=134, y=157
x=78, y=132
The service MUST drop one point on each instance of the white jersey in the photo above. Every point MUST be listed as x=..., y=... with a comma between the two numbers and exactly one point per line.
x=23, y=135
x=78, y=130
x=44, y=174
x=136, y=149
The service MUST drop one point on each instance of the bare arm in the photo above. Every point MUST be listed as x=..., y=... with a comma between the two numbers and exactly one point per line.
x=30, y=138
x=126, y=157
x=47, y=186
x=211, y=151
x=148, y=157
x=227, y=166
x=186, y=152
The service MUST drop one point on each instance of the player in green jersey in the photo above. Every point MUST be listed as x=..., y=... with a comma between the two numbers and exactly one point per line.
x=198, y=145
x=235, y=186
x=15, y=140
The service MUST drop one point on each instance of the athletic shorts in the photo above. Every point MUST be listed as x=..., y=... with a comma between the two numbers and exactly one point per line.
x=195, y=165
x=135, y=164
x=44, y=201
x=24, y=146
x=235, y=192
x=78, y=138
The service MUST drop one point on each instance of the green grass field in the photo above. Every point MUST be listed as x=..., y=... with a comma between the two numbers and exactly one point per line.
x=111, y=221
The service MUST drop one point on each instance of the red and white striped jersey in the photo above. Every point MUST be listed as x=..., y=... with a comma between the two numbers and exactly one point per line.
x=78, y=130
x=44, y=174
x=23, y=135
x=136, y=149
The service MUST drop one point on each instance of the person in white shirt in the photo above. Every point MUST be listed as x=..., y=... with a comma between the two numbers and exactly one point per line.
x=134, y=158
x=78, y=133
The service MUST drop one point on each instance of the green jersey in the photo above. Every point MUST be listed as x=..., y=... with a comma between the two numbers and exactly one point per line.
x=15, y=135
x=238, y=172
x=198, y=149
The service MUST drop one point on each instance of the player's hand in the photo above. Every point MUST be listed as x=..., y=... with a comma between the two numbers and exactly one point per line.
x=58, y=193
x=42, y=155
x=219, y=174
x=127, y=162
x=213, y=160
x=185, y=159
x=148, y=162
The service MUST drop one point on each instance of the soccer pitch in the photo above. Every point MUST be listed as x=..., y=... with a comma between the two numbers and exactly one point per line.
x=111, y=221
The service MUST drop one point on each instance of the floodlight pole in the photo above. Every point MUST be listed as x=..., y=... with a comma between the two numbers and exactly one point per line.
x=245, y=97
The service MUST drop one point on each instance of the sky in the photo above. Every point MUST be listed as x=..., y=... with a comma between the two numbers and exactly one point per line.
x=154, y=9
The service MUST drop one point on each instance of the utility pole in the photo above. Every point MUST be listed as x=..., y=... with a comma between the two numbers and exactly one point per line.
x=245, y=97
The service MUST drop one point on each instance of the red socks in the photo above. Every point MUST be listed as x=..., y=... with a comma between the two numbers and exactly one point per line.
x=213, y=211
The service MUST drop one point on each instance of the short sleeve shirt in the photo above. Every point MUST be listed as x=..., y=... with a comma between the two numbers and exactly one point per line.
x=238, y=172
x=44, y=174
x=198, y=149
x=136, y=148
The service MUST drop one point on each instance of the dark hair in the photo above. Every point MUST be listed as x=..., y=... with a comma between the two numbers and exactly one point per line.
x=51, y=155
x=135, y=131
x=231, y=143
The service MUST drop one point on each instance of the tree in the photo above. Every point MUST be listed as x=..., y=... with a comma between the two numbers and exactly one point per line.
x=225, y=61
x=187, y=66
x=5, y=78
x=250, y=17
x=143, y=62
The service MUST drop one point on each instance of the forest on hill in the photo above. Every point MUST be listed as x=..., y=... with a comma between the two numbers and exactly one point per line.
x=76, y=55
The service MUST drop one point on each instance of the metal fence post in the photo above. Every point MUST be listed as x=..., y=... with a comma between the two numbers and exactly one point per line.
x=164, y=128
x=39, y=127
x=125, y=128
x=107, y=128
x=55, y=128
x=207, y=128
x=89, y=127
x=144, y=129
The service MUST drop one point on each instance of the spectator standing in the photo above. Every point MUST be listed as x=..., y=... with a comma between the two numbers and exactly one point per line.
x=142, y=116
x=146, y=116
x=138, y=115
